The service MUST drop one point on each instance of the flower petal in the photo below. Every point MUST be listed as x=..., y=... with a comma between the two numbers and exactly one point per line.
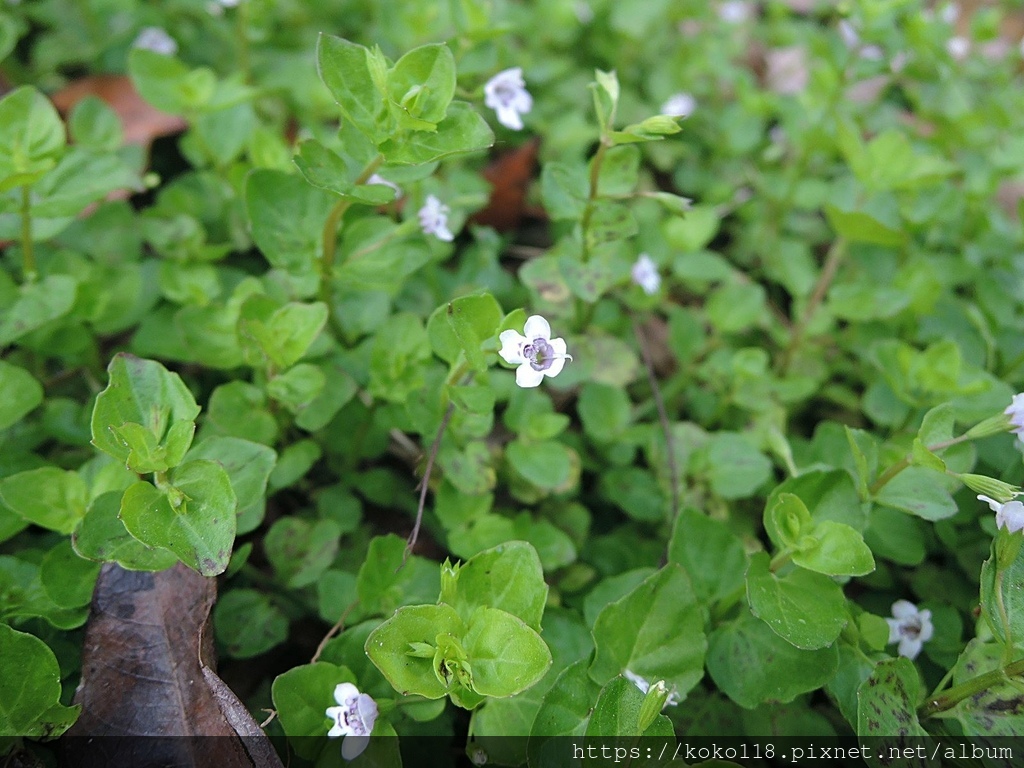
x=537, y=327
x=511, y=347
x=527, y=377
x=509, y=117
x=894, y=630
x=367, y=709
x=994, y=505
x=909, y=647
x=555, y=368
x=904, y=609
x=344, y=693
x=353, y=746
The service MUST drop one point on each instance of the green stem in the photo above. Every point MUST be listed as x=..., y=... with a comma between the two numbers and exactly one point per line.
x=971, y=687
x=595, y=177
x=780, y=560
x=27, y=254
x=903, y=463
x=330, y=235
x=828, y=274
x=1004, y=617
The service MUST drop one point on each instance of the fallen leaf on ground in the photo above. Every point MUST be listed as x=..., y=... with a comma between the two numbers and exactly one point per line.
x=149, y=692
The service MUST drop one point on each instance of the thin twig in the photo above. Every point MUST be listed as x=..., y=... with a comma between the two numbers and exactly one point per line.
x=828, y=273
x=269, y=720
x=338, y=626
x=425, y=482
x=659, y=402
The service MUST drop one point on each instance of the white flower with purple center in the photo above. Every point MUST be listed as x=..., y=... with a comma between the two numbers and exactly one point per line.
x=353, y=718
x=1009, y=515
x=157, y=40
x=909, y=627
x=680, y=104
x=958, y=47
x=644, y=686
x=536, y=353
x=434, y=219
x=645, y=274
x=506, y=94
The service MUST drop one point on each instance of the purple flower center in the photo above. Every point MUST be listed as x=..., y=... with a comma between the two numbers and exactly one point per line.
x=539, y=353
x=911, y=628
x=349, y=717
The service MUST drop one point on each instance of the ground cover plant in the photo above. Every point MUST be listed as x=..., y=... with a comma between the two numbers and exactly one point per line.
x=488, y=368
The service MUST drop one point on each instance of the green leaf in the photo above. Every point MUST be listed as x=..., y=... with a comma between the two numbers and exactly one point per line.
x=36, y=305
x=994, y=711
x=281, y=335
x=67, y=577
x=30, y=688
x=144, y=393
x=102, y=536
x=709, y=552
x=636, y=492
x=606, y=98
x=509, y=577
x=297, y=387
x=918, y=491
x=806, y=609
x=834, y=549
x=168, y=84
x=471, y=321
x=237, y=409
x=787, y=520
x=618, y=711
x=546, y=464
x=248, y=624
x=300, y=551
x=620, y=171
x=656, y=631
x=400, y=348
x=325, y=169
x=31, y=137
x=565, y=711
x=345, y=68
x=605, y=411
x=301, y=695
x=736, y=468
x=248, y=466
x=389, y=644
x=286, y=216
x=95, y=125
x=385, y=584
x=197, y=523
x=49, y=497
x=860, y=226
x=462, y=130
x=751, y=664
x=22, y=393
x=422, y=82
x=564, y=190
x=505, y=654
x=693, y=231
x=1012, y=595
x=887, y=703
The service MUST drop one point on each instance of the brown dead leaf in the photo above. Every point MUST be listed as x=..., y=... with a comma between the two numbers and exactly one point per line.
x=510, y=175
x=149, y=693
x=141, y=122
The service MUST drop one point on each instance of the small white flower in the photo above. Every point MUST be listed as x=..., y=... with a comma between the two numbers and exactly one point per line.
x=788, y=72
x=645, y=274
x=157, y=40
x=584, y=13
x=353, y=718
x=506, y=94
x=1015, y=410
x=734, y=11
x=958, y=47
x=536, y=353
x=909, y=627
x=644, y=686
x=950, y=13
x=434, y=219
x=679, y=104
x=848, y=32
x=229, y=3
x=378, y=179
x=1009, y=515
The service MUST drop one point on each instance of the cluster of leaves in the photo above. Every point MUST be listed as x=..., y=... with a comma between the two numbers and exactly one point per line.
x=240, y=352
